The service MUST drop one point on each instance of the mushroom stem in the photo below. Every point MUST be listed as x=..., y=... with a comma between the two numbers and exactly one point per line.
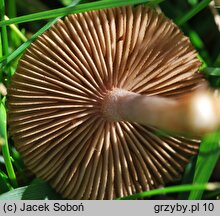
x=195, y=114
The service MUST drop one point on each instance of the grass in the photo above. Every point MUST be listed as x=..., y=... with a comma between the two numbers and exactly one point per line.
x=16, y=35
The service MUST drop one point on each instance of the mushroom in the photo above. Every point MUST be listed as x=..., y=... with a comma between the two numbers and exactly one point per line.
x=85, y=99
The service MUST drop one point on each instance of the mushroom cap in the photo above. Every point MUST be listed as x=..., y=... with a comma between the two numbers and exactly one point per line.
x=56, y=95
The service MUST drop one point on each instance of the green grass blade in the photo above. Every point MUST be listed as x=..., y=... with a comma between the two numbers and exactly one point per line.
x=19, y=164
x=153, y=3
x=5, y=186
x=38, y=190
x=5, y=149
x=213, y=76
x=20, y=50
x=208, y=155
x=15, y=29
x=11, y=8
x=72, y=9
x=5, y=45
x=183, y=19
x=211, y=71
x=3, y=29
x=6, y=60
x=212, y=194
x=188, y=178
x=1, y=54
x=173, y=189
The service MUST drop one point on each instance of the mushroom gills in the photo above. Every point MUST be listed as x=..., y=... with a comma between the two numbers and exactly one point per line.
x=62, y=111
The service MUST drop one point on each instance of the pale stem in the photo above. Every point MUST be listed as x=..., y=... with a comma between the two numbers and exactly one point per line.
x=195, y=114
